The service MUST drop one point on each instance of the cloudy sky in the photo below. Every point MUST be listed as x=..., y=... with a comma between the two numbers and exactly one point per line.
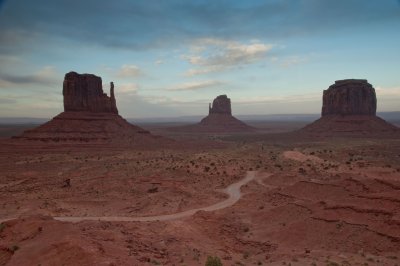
x=170, y=58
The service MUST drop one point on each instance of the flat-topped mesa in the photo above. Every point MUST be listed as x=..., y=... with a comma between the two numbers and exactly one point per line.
x=220, y=105
x=84, y=92
x=349, y=109
x=349, y=97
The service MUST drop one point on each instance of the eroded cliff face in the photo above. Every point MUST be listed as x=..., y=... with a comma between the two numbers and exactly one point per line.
x=221, y=105
x=84, y=92
x=349, y=97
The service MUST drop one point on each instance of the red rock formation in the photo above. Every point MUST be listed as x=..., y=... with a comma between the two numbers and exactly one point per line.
x=220, y=105
x=219, y=119
x=349, y=108
x=84, y=92
x=112, y=99
x=351, y=125
x=87, y=127
x=89, y=116
x=349, y=97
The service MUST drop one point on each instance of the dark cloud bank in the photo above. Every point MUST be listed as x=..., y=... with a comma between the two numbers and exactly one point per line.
x=151, y=24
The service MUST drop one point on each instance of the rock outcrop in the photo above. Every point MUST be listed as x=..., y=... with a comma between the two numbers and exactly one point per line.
x=349, y=108
x=349, y=97
x=90, y=116
x=219, y=119
x=84, y=92
x=220, y=105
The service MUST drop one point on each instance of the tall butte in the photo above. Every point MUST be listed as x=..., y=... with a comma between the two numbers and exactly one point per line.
x=89, y=116
x=349, y=108
x=84, y=92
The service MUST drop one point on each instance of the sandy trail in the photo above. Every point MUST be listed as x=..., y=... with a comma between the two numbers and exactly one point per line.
x=232, y=190
x=260, y=180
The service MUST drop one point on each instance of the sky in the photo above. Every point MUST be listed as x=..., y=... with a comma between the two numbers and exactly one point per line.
x=171, y=58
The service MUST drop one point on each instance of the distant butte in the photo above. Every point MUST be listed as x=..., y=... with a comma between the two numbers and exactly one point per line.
x=220, y=105
x=349, y=107
x=219, y=119
x=89, y=116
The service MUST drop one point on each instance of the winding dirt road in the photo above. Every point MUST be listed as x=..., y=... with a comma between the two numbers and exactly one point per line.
x=232, y=190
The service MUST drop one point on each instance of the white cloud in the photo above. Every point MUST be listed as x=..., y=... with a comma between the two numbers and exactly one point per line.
x=8, y=101
x=211, y=55
x=47, y=76
x=196, y=85
x=159, y=62
x=291, y=60
x=46, y=73
x=4, y=83
x=127, y=88
x=127, y=71
x=204, y=70
x=387, y=92
x=172, y=101
x=311, y=97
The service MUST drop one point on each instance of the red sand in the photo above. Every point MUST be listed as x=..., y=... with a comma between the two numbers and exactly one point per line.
x=323, y=202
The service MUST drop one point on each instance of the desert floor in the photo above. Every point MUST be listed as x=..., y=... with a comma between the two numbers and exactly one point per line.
x=333, y=201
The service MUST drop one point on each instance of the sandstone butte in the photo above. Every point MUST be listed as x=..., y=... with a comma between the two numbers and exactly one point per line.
x=219, y=119
x=89, y=116
x=84, y=92
x=349, y=107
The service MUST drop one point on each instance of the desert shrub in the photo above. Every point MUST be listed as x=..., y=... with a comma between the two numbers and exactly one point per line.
x=155, y=262
x=14, y=248
x=302, y=170
x=2, y=227
x=213, y=261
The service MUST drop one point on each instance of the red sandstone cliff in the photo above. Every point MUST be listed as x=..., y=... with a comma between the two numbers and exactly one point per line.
x=84, y=92
x=349, y=97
